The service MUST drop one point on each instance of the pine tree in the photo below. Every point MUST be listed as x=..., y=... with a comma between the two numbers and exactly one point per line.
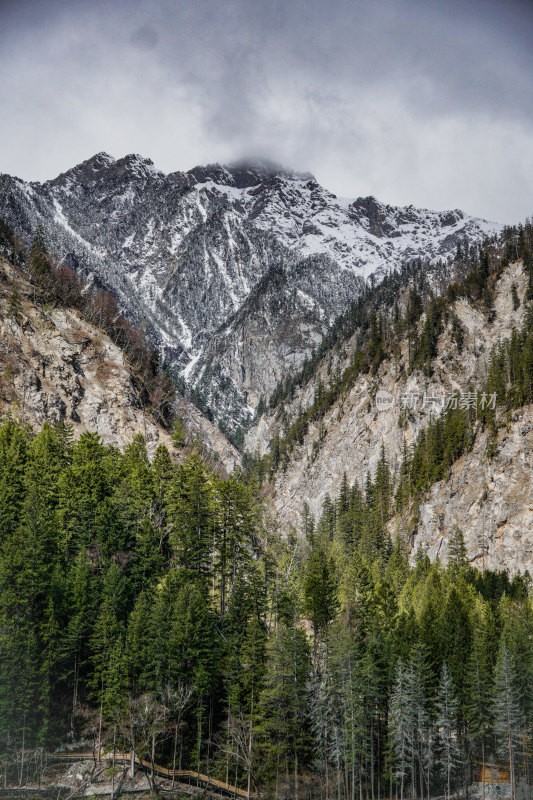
x=320, y=590
x=189, y=509
x=308, y=524
x=457, y=553
x=508, y=715
x=234, y=524
x=478, y=709
x=283, y=727
x=84, y=498
x=39, y=259
x=325, y=530
x=74, y=645
x=13, y=460
x=456, y=631
x=321, y=724
x=106, y=640
x=178, y=433
x=402, y=725
x=448, y=728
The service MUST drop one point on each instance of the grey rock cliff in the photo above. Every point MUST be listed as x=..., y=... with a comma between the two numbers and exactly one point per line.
x=489, y=499
x=55, y=366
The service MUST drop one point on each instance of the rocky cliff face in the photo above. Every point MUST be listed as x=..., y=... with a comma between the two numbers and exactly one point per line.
x=56, y=366
x=490, y=500
x=237, y=271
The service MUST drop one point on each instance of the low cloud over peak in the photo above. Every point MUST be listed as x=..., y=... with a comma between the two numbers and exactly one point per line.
x=409, y=102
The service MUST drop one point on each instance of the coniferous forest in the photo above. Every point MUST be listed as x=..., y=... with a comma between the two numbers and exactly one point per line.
x=155, y=607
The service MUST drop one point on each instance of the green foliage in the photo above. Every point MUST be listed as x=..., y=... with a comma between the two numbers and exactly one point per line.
x=178, y=433
x=145, y=594
x=156, y=598
x=190, y=514
x=283, y=723
x=39, y=263
x=509, y=717
x=320, y=590
x=111, y=573
x=457, y=549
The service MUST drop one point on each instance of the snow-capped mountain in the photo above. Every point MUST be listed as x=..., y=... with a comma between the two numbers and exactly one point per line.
x=237, y=270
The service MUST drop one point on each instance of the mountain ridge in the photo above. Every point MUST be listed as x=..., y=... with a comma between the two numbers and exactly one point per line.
x=183, y=253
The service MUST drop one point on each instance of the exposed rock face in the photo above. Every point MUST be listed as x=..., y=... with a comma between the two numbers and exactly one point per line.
x=56, y=366
x=236, y=270
x=490, y=500
x=355, y=430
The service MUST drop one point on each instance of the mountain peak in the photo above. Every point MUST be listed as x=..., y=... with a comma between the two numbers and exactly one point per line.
x=259, y=169
x=101, y=163
x=99, y=160
x=186, y=253
x=102, y=157
x=138, y=163
x=95, y=164
x=246, y=173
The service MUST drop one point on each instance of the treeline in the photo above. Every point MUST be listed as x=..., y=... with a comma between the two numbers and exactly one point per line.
x=380, y=325
x=56, y=282
x=151, y=606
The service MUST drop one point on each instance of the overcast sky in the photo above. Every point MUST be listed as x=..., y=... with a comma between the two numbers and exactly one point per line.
x=429, y=103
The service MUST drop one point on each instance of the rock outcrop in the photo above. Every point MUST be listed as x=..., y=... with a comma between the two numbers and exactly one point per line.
x=56, y=366
x=488, y=498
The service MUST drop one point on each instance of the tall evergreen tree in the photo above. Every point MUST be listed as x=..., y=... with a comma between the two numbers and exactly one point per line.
x=448, y=728
x=508, y=714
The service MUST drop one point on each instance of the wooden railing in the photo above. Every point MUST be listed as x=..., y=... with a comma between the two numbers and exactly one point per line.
x=180, y=775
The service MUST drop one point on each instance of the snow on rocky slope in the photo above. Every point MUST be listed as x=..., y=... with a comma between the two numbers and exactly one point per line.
x=237, y=271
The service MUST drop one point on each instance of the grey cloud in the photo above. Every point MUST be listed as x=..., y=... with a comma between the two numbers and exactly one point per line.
x=145, y=37
x=430, y=103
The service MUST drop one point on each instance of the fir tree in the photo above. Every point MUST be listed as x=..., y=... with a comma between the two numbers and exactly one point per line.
x=178, y=433
x=189, y=508
x=320, y=590
x=457, y=554
x=508, y=715
x=448, y=728
x=39, y=259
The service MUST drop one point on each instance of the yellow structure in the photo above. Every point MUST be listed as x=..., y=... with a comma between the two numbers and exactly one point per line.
x=491, y=773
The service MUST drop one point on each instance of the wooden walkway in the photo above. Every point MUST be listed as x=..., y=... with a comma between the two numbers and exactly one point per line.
x=179, y=775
